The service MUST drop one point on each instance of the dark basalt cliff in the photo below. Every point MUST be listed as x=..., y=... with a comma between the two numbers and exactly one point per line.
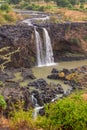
x=68, y=40
x=22, y=37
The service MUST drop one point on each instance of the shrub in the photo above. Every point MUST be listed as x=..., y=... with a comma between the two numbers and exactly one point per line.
x=66, y=114
x=1, y=83
x=75, y=41
x=22, y=120
x=8, y=17
x=63, y=3
x=41, y=8
x=82, y=6
x=5, y=7
x=85, y=38
x=2, y=102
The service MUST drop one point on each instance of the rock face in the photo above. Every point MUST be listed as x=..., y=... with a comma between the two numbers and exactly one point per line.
x=19, y=36
x=67, y=39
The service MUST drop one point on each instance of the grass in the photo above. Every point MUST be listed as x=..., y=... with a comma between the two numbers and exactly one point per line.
x=8, y=17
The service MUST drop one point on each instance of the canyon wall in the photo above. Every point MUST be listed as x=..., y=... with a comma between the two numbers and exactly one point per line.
x=69, y=40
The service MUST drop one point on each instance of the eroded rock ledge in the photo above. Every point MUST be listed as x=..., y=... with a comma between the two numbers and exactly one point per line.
x=69, y=41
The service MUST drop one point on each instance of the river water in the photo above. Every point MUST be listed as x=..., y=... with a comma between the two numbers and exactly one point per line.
x=43, y=72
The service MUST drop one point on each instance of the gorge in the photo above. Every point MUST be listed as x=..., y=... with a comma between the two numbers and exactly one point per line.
x=42, y=44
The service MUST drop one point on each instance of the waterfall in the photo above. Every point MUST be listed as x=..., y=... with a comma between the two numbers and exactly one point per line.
x=49, y=59
x=34, y=100
x=44, y=48
x=44, y=52
x=39, y=47
x=36, y=107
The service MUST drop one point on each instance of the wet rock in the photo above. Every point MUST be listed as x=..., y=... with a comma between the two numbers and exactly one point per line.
x=66, y=71
x=42, y=112
x=11, y=84
x=39, y=84
x=54, y=70
x=27, y=74
x=38, y=98
x=59, y=89
x=53, y=76
x=45, y=93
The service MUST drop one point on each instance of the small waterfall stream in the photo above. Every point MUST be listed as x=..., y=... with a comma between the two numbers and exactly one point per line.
x=36, y=107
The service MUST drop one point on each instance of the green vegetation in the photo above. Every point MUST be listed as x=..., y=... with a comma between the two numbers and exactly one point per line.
x=70, y=3
x=67, y=114
x=75, y=41
x=60, y=3
x=5, y=7
x=7, y=16
x=22, y=119
x=32, y=7
x=2, y=103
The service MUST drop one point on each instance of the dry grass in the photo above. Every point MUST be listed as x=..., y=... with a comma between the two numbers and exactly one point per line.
x=74, y=15
x=71, y=15
x=84, y=96
x=9, y=18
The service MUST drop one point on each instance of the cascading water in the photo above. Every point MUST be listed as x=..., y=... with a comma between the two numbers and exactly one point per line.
x=39, y=47
x=36, y=107
x=44, y=52
x=49, y=59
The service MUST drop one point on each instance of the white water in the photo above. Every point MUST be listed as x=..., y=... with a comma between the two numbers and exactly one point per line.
x=44, y=48
x=36, y=111
x=36, y=107
x=44, y=52
x=49, y=59
x=39, y=47
x=34, y=100
x=36, y=18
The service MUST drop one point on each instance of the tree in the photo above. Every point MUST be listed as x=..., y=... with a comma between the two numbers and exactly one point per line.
x=47, y=1
x=63, y=3
x=14, y=1
x=83, y=1
x=74, y=2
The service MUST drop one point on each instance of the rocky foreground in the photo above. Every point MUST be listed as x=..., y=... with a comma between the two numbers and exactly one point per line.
x=15, y=93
